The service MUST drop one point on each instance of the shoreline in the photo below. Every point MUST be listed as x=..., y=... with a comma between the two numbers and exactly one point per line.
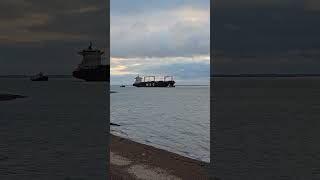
x=132, y=160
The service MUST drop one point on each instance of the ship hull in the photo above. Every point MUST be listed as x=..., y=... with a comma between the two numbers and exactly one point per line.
x=155, y=84
x=45, y=78
x=99, y=73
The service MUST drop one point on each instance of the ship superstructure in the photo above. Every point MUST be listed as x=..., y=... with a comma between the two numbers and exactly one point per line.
x=90, y=68
x=150, y=81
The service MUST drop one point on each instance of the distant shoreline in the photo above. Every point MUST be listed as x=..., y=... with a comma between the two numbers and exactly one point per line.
x=215, y=75
x=28, y=76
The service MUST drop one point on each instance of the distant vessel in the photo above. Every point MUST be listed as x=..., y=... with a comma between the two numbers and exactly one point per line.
x=90, y=68
x=122, y=85
x=153, y=82
x=39, y=77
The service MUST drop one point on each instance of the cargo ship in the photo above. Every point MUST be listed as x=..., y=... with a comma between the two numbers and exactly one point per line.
x=90, y=68
x=148, y=82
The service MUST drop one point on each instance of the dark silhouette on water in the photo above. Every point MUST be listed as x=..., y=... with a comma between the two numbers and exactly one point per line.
x=7, y=97
x=90, y=68
x=39, y=77
x=153, y=83
x=113, y=124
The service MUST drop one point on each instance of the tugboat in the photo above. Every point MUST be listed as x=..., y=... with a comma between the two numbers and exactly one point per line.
x=39, y=77
x=153, y=82
x=90, y=68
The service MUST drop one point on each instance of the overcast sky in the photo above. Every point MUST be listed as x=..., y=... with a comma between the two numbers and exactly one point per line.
x=37, y=35
x=266, y=36
x=168, y=37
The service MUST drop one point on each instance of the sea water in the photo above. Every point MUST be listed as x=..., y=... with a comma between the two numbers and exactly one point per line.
x=266, y=128
x=174, y=119
x=56, y=132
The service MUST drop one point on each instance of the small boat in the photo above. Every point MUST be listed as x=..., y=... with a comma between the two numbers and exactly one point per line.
x=39, y=77
x=122, y=85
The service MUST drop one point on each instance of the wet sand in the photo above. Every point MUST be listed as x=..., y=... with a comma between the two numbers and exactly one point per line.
x=7, y=97
x=131, y=160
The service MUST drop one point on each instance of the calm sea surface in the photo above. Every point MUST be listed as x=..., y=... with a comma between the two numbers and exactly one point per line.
x=55, y=133
x=174, y=119
x=266, y=128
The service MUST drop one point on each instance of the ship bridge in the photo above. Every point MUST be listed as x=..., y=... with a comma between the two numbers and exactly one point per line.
x=91, y=57
x=138, y=79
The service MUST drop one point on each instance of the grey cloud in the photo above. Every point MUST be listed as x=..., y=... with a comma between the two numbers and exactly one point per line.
x=185, y=73
x=181, y=70
x=46, y=35
x=76, y=18
x=236, y=4
x=312, y=5
x=265, y=31
x=279, y=38
x=182, y=38
x=161, y=30
x=19, y=8
x=129, y=7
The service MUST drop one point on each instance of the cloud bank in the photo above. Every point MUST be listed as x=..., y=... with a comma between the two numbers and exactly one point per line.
x=160, y=37
x=45, y=36
x=265, y=37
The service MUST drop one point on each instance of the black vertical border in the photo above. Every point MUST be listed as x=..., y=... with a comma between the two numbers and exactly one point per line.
x=107, y=51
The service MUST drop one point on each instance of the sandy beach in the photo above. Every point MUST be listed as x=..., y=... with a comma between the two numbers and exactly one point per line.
x=132, y=160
